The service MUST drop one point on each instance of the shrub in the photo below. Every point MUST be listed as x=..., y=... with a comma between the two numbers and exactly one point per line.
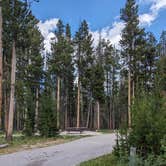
x=148, y=124
x=47, y=116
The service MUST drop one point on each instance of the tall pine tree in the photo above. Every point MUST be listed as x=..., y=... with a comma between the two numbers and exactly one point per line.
x=130, y=43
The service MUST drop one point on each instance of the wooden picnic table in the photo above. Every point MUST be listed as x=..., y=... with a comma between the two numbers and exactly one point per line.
x=76, y=129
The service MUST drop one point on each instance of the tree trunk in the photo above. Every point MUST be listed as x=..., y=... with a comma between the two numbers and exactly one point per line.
x=1, y=67
x=110, y=114
x=91, y=117
x=18, y=120
x=113, y=99
x=37, y=109
x=78, y=104
x=113, y=114
x=6, y=110
x=95, y=117
x=25, y=118
x=129, y=99
x=98, y=114
x=129, y=86
x=133, y=91
x=58, y=103
x=66, y=110
x=88, y=116
x=12, y=97
x=81, y=110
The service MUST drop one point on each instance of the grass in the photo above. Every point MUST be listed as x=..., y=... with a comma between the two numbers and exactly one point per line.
x=21, y=142
x=106, y=160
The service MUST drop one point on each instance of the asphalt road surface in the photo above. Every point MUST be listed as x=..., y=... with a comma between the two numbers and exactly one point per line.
x=68, y=154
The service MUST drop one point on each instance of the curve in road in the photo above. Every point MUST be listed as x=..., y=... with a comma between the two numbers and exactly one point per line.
x=68, y=154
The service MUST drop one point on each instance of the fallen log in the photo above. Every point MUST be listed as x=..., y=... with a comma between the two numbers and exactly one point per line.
x=4, y=146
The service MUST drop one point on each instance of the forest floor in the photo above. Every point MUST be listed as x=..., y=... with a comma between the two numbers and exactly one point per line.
x=21, y=142
x=67, y=154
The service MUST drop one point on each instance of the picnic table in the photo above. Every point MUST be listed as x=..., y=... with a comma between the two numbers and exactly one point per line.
x=76, y=129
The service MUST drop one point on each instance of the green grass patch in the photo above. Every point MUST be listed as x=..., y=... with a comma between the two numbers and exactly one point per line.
x=21, y=142
x=106, y=160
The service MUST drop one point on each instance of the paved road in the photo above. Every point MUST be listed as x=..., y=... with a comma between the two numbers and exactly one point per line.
x=68, y=154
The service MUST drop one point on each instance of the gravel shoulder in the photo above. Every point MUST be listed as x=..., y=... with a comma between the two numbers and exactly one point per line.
x=68, y=154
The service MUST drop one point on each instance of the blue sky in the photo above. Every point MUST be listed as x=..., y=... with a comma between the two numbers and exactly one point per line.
x=98, y=13
x=102, y=15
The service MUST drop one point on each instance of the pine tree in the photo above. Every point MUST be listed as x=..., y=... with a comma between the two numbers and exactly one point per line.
x=162, y=44
x=149, y=62
x=68, y=75
x=34, y=70
x=108, y=68
x=98, y=89
x=1, y=63
x=18, y=19
x=56, y=63
x=47, y=114
x=161, y=74
x=130, y=42
x=16, y=6
x=61, y=65
x=84, y=59
x=6, y=59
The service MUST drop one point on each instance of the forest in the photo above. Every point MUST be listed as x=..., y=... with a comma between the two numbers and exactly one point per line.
x=79, y=84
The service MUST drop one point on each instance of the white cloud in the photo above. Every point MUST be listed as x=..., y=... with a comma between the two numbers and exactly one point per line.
x=145, y=1
x=46, y=28
x=47, y=41
x=157, y=5
x=148, y=18
x=113, y=34
x=109, y=33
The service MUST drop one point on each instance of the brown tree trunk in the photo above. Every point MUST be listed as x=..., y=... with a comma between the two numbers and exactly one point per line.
x=88, y=116
x=37, y=109
x=1, y=67
x=129, y=99
x=91, y=117
x=95, y=117
x=130, y=86
x=66, y=110
x=58, y=103
x=6, y=109
x=78, y=104
x=82, y=122
x=133, y=91
x=25, y=118
x=113, y=99
x=98, y=114
x=110, y=114
x=18, y=120
x=113, y=115
x=12, y=97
